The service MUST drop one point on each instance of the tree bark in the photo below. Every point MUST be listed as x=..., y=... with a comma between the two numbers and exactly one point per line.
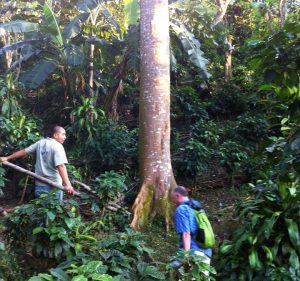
x=156, y=173
x=282, y=12
x=111, y=101
x=222, y=8
x=228, y=59
x=5, y=39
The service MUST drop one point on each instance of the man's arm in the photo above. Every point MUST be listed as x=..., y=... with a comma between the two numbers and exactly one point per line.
x=186, y=240
x=18, y=154
x=64, y=175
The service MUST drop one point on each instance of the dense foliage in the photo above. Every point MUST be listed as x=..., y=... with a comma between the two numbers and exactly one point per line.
x=76, y=63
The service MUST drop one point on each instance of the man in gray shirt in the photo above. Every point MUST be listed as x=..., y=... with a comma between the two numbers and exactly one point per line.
x=50, y=161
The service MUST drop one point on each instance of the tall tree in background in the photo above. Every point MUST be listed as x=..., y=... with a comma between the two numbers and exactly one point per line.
x=282, y=12
x=222, y=8
x=156, y=173
x=228, y=51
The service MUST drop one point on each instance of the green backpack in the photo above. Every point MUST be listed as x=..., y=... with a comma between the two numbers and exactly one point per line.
x=205, y=234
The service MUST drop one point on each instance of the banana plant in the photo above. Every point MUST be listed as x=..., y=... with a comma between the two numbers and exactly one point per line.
x=94, y=15
x=45, y=45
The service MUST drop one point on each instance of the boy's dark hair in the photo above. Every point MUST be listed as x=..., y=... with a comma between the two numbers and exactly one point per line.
x=50, y=131
x=181, y=190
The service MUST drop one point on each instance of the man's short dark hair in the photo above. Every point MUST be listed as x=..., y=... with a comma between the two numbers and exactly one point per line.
x=181, y=190
x=50, y=131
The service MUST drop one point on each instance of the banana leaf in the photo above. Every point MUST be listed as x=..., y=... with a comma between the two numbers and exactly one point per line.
x=74, y=55
x=19, y=26
x=87, y=5
x=29, y=55
x=52, y=26
x=33, y=78
x=109, y=17
x=17, y=46
x=131, y=11
x=192, y=47
x=73, y=27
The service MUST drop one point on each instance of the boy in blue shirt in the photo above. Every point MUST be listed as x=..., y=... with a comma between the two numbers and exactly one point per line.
x=186, y=225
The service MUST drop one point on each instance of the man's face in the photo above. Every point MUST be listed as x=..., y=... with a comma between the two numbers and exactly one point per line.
x=60, y=135
x=176, y=198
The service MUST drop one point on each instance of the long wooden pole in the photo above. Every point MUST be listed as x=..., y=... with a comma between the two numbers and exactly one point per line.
x=42, y=179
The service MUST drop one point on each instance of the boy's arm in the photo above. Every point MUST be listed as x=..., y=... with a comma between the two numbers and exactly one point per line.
x=186, y=240
x=18, y=154
x=64, y=175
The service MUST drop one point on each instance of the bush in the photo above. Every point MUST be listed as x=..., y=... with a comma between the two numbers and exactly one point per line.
x=9, y=265
x=228, y=101
x=82, y=270
x=111, y=146
x=267, y=244
x=51, y=230
x=189, y=266
x=233, y=156
x=17, y=132
x=110, y=188
x=190, y=160
x=251, y=129
x=121, y=256
x=188, y=106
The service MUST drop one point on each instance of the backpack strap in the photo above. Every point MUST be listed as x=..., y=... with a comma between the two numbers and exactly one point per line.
x=194, y=204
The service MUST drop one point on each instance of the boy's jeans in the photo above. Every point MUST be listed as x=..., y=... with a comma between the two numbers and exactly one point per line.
x=42, y=189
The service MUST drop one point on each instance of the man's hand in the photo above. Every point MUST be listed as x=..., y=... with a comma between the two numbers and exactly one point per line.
x=3, y=159
x=69, y=189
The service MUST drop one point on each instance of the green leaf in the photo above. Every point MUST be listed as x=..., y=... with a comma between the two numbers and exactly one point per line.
x=152, y=271
x=226, y=248
x=131, y=11
x=73, y=27
x=51, y=215
x=70, y=222
x=45, y=276
x=293, y=231
x=254, y=260
x=87, y=237
x=38, y=230
x=87, y=5
x=57, y=249
x=74, y=55
x=108, y=16
x=19, y=26
x=254, y=43
x=52, y=25
x=294, y=260
x=268, y=252
x=102, y=277
x=192, y=47
x=17, y=45
x=59, y=274
x=36, y=278
x=79, y=278
x=2, y=246
x=93, y=266
x=33, y=78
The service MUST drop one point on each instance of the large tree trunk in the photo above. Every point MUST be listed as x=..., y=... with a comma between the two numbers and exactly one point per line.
x=222, y=8
x=156, y=174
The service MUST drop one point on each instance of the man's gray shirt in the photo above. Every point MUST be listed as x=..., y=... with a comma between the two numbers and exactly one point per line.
x=49, y=154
